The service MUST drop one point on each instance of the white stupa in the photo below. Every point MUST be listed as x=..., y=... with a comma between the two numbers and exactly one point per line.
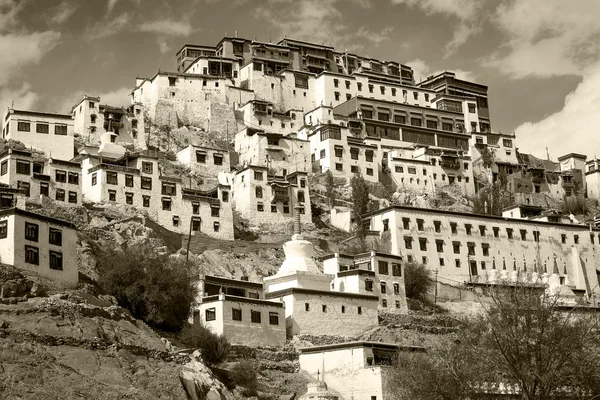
x=298, y=270
x=108, y=148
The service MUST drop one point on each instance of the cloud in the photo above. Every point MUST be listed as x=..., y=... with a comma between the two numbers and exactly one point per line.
x=422, y=70
x=117, y=97
x=547, y=38
x=318, y=21
x=572, y=129
x=167, y=27
x=466, y=11
x=24, y=49
x=62, y=12
x=374, y=37
x=23, y=98
x=111, y=5
x=163, y=47
x=103, y=29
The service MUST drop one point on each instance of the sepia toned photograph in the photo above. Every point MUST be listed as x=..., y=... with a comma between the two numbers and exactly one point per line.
x=300, y=199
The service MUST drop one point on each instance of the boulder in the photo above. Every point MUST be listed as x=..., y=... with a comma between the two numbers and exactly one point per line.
x=200, y=383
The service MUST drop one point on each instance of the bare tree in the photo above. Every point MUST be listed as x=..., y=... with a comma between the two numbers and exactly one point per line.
x=525, y=339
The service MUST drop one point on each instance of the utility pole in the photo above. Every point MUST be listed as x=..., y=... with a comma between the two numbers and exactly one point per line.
x=187, y=254
x=436, y=288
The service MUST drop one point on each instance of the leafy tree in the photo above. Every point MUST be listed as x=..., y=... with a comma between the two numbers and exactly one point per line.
x=329, y=187
x=525, y=339
x=213, y=348
x=244, y=374
x=417, y=281
x=151, y=286
x=574, y=205
x=360, y=200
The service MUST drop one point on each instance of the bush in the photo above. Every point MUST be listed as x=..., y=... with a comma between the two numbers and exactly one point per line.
x=213, y=348
x=244, y=374
x=417, y=281
x=152, y=287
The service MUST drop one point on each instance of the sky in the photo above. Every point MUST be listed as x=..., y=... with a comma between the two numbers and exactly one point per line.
x=539, y=58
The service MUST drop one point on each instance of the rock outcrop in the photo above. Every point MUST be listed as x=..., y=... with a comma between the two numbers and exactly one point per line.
x=200, y=383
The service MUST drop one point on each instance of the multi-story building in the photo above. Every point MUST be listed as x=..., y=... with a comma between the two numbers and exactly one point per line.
x=237, y=309
x=356, y=370
x=451, y=90
x=38, y=176
x=312, y=304
x=170, y=99
x=335, y=147
x=425, y=169
x=493, y=154
x=271, y=199
x=376, y=273
x=572, y=172
x=39, y=244
x=264, y=115
x=592, y=178
x=275, y=151
x=47, y=132
x=206, y=164
x=11, y=197
x=190, y=53
x=137, y=180
x=92, y=119
x=465, y=247
x=441, y=143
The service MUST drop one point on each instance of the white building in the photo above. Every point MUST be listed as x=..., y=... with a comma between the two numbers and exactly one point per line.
x=47, y=132
x=206, y=163
x=92, y=119
x=312, y=306
x=373, y=273
x=38, y=176
x=336, y=147
x=269, y=199
x=355, y=370
x=279, y=153
x=238, y=310
x=39, y=244
x=136, y=180
x=470, y=248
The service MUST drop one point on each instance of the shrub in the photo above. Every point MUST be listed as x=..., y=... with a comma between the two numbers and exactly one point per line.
x=244, y=374
x=152, y=287
x=417, y=281
x=213, y=348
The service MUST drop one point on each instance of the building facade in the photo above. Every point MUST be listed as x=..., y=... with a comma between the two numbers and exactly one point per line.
x=92, y=119
x=280, y=154
x=136, y=180
x=271, y=199
x=464, y=247
x=39, y=176
x=39, y=244
x=312, y=305
x=206, y=164
x=373, y=273
x=355, y=370
x=47, y=132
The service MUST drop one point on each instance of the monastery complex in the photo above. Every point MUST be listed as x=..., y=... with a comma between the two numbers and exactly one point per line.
x=249, y=129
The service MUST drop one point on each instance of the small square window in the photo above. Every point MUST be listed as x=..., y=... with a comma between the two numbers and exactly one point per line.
x=210, y=314
x=236, y=314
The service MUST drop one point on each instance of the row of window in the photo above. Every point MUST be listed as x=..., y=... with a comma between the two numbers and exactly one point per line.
x=324, y=308
x=60, y=194
x=201, y=158
x=23, y=126
x=210, y=314
x=260, y=207
x=24, y=168
x=167, y=188
x=510, y=233
x=32, y=256
x=414, y=121
x=258, y=192
x=32, y=233
x=382, y=90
